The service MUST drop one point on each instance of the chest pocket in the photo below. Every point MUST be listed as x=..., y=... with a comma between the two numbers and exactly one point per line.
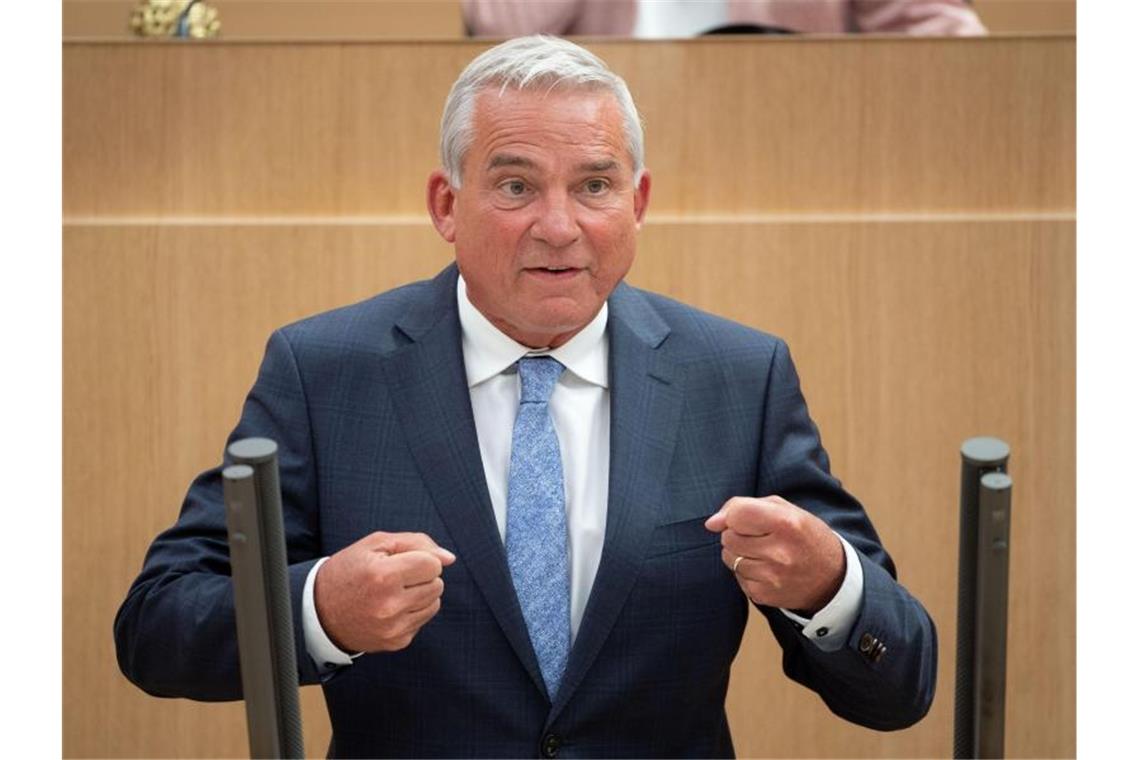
x=682, y=535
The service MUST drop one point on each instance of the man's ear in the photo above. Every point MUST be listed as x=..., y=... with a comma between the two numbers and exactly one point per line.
x=441, y=204
x=641, y=197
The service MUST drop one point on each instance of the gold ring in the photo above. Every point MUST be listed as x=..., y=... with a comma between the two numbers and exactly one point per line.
x=736, y=564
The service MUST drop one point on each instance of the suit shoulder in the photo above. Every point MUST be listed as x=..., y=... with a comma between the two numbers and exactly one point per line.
x=700, y=335
x=368, y=322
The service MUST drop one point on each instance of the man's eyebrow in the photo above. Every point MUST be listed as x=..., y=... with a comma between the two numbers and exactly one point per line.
x=604, y=165
x=509, y=159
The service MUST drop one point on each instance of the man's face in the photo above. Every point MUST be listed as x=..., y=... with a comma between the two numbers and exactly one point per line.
x=545, y=223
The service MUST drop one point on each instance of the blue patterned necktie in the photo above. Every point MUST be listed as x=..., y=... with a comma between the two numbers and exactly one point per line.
x=536, y=521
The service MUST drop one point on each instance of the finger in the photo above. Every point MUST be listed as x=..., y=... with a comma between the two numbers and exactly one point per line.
x=730, y=513
x=716, y=523
x=422, y=595
x=398, y=543
x=719, y=520
x=415, y=567
x=416, y=619
x=751, y=588
x=758, y=585
x=376, y=541
x=770, y=550
x=737, y=563
x=756, y=517
x=749, y=546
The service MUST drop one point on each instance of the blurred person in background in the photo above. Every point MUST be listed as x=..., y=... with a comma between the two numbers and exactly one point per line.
x=688, y=18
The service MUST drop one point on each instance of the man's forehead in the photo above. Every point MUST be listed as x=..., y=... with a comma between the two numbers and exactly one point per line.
x=496, y=102
x=507, y=124
x=542, y=90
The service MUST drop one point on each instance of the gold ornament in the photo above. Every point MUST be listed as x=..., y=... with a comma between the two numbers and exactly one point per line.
x=203, y=21
x=175, y=18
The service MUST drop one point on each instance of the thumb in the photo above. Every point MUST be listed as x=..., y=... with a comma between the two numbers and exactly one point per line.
x=398, y=543
x=718, y=522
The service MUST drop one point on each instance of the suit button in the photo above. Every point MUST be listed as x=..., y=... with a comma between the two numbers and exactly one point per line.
x=550, y=745
x=872, y=648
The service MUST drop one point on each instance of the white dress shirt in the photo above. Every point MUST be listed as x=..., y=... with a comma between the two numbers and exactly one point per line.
x=580, y=409
x=664, y=19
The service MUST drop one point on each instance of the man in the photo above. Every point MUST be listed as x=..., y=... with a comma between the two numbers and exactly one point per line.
x=527, y=505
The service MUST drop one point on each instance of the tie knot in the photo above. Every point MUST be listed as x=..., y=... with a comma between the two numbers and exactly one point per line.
x=538, y=375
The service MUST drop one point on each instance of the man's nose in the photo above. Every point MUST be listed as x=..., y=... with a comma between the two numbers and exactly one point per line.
x=557, y=224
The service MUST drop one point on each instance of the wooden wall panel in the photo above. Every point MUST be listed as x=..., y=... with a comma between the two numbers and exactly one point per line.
x=286, y=19
x=909, y=337
x=1028, y=16
x=821, y=125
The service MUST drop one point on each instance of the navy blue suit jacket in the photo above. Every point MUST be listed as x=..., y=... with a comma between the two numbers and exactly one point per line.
x=370, y=408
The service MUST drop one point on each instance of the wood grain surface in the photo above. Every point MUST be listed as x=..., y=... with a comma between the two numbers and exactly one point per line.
x=1027, y=16
x=732, y=125
x=908, y=336
x=286, y=19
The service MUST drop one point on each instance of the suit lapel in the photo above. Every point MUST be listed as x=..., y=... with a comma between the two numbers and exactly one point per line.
x=429, y=390
x=646, y=396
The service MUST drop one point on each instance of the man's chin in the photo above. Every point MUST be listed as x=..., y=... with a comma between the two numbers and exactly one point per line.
x=552, y=332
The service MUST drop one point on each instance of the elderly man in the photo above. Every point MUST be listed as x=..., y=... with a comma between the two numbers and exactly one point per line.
x=527, y=505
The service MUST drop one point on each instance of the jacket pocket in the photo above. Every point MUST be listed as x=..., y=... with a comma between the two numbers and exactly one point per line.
x=681, y=536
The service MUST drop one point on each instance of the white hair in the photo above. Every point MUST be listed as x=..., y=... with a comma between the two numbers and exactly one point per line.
x=527, y=63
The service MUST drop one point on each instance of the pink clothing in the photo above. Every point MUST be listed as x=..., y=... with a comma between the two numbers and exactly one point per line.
x=510, y=18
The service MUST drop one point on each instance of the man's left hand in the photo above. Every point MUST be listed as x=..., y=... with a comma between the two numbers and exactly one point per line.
x=783, y=556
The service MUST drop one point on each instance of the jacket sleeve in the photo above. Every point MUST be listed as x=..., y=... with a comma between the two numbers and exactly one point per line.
x=175, y=633
x=884, y=675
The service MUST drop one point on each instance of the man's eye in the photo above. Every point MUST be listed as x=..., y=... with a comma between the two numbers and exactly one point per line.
x=514, y=187
x=596, y=186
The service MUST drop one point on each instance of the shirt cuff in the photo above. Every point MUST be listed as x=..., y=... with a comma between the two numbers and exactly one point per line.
x=828, y=628
x=327, y=655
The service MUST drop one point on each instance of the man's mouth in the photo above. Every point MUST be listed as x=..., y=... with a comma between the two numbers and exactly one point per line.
x=554, y=272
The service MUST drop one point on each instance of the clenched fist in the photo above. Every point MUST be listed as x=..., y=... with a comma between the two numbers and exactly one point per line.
x=783, y=556
x=376, y=594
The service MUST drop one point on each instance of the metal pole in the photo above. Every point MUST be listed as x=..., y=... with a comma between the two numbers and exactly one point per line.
x=261, y=597
x=979, y=456
x=993, y=605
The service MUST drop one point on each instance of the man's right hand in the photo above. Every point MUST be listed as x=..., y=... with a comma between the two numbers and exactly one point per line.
x=376, y=594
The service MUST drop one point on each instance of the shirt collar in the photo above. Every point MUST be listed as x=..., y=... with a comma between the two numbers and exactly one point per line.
x=487, y=351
